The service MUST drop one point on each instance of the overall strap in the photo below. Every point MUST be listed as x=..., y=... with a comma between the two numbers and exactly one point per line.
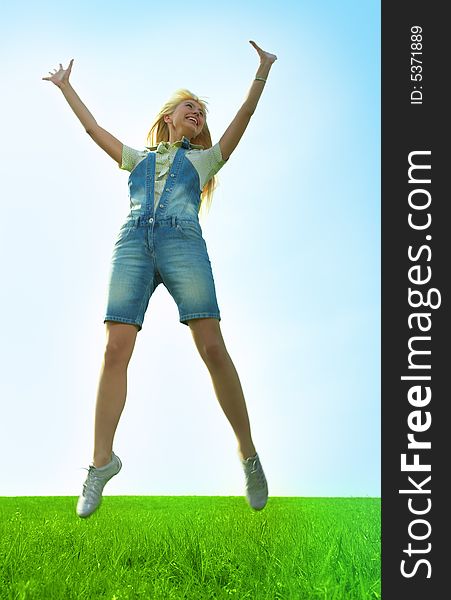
x=150, y=183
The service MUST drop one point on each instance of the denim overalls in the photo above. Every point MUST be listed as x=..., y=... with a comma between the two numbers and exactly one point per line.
x=162, y=245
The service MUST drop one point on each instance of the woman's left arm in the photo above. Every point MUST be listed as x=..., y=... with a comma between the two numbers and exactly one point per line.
x=237, y=127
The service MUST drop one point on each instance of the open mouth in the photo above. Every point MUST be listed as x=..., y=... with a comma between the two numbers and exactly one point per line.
x=193, y=120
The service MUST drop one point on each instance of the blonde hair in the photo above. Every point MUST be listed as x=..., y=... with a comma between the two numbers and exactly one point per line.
x=159, y=132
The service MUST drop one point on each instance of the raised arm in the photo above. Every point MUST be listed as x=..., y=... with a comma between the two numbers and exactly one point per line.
x=237, y=127
x=111, y=145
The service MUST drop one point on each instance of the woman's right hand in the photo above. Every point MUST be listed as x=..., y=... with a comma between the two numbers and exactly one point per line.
x=60, y=77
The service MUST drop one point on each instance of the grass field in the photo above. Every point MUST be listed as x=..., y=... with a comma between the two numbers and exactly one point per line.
x=192, y=547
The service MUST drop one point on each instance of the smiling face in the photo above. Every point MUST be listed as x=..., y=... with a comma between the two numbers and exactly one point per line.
x=188, y=120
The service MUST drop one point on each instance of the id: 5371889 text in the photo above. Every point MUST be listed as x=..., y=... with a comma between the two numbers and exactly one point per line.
x=416, y=64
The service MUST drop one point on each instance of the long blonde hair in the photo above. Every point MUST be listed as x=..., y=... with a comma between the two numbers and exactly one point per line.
x=159, y=132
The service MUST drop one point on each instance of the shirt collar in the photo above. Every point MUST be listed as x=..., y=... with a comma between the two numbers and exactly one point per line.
x=183, y=142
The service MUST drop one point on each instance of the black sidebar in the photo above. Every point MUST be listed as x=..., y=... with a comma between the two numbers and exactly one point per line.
x=416, y=331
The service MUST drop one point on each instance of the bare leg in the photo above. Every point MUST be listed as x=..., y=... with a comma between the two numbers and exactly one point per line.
x=112, y=388
x=210, y=344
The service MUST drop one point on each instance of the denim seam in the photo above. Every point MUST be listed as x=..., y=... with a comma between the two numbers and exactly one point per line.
x=146, y=295
x=122, y=320
x=199, y=315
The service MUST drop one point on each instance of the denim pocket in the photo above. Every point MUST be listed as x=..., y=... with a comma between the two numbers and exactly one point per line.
x=124, y=232
x=190, y=228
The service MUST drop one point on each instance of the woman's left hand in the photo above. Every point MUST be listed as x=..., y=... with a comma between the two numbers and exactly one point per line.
x=264, y=56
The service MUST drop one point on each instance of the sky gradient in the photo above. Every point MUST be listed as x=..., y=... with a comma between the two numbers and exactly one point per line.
x=293, y=236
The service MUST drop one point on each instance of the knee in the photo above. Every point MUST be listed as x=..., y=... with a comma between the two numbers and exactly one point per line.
x=116, y=354
x=214, y=353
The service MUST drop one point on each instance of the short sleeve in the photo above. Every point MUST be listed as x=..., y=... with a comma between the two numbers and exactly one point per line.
x=207, y=162
x=131, y=157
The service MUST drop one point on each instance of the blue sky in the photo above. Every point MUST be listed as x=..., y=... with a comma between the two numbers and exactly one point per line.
x=293, y=236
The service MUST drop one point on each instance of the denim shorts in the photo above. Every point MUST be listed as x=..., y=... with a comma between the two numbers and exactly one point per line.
x=148, y=252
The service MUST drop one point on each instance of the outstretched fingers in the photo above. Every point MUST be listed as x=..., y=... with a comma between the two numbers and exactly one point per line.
x=266, y=56
x=60, y=74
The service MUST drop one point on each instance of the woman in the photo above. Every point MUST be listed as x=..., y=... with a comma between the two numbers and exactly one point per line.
x=161, y=242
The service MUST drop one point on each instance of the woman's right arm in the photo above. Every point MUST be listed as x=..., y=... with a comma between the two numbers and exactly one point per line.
x=111, y=145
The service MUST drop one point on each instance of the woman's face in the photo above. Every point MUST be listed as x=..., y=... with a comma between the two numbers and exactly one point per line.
x=188, y=120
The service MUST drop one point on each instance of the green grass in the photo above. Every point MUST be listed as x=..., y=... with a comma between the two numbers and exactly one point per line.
x=192, y=547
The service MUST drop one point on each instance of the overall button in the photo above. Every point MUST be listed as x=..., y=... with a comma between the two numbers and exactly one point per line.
x=172, y=175
x=150, y=220
x=161, y=206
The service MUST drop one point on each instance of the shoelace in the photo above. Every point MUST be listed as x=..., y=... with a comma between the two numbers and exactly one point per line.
x=256, y=477
x=95, y=484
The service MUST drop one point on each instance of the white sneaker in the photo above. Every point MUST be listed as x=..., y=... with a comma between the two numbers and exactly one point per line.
x=256, y=484
x=93, y=486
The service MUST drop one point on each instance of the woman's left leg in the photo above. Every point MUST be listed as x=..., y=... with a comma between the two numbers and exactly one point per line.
x=210, y=344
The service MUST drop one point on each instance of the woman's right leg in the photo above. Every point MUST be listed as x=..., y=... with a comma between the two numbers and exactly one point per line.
x=112, y=388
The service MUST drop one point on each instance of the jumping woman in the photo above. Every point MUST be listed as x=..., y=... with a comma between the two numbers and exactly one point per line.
x=161, y=241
